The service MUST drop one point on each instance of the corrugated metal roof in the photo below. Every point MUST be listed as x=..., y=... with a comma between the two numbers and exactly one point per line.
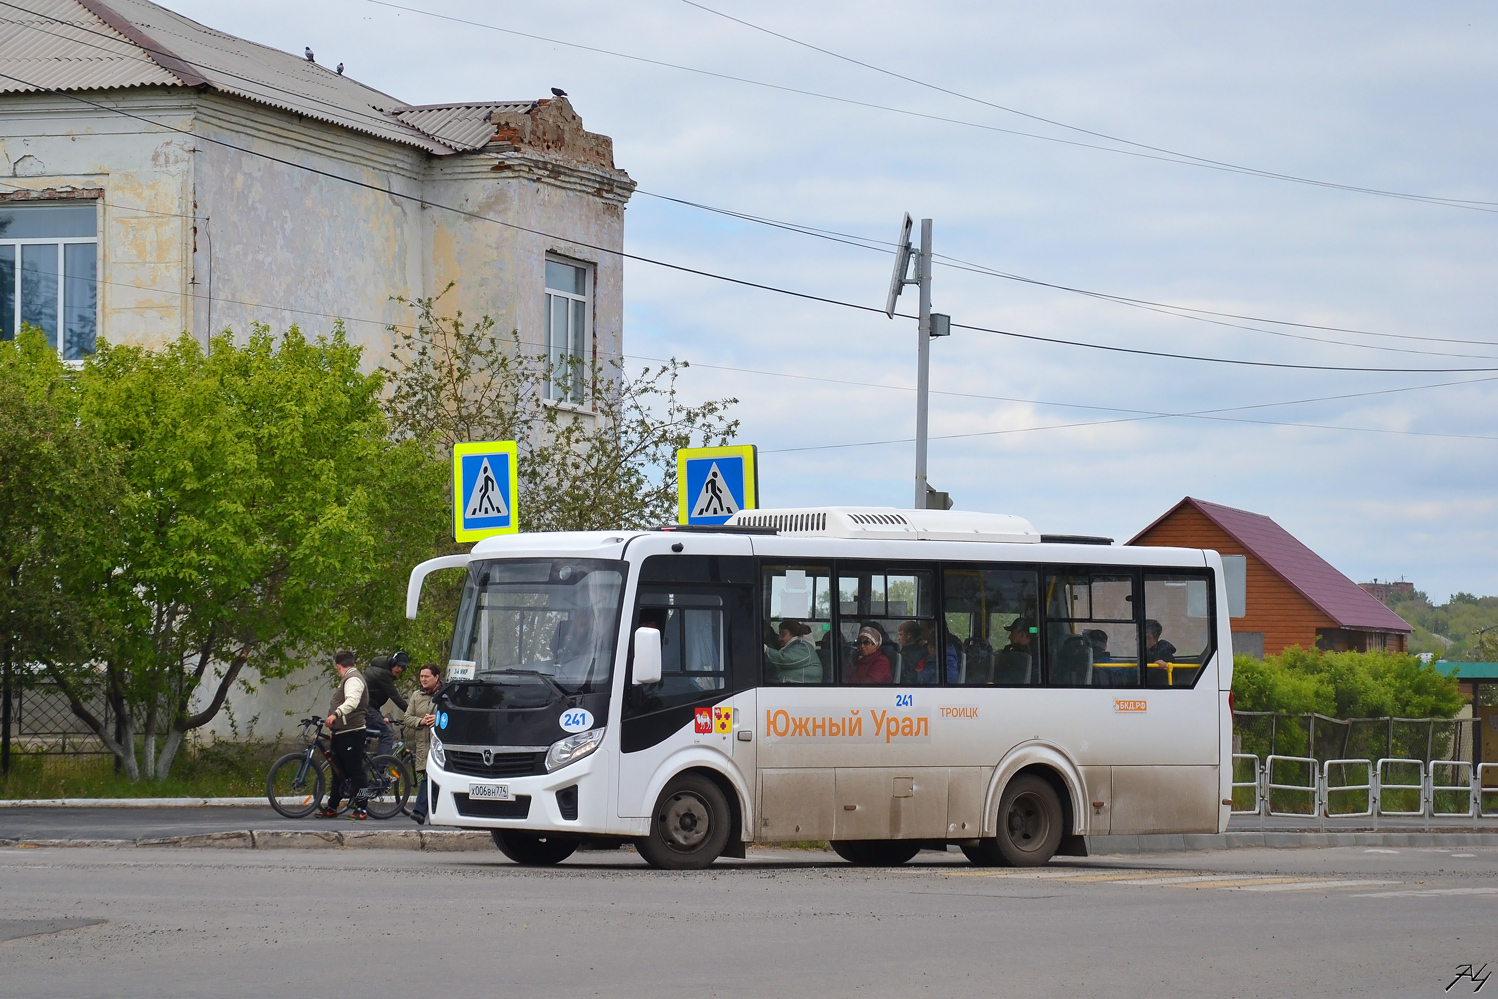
x=59, y=44
x=1342, y=600
x=84, y=52
x=462, y=126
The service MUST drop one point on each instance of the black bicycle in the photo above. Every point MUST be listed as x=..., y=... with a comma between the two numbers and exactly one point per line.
x=297, y=781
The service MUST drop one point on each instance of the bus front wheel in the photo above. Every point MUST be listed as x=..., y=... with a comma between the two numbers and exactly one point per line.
x=690, y=825
x=532, y=850
x=1029, y=822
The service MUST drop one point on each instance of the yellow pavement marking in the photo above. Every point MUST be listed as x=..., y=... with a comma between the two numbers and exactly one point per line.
x=1238, y=883
x=1311, y=885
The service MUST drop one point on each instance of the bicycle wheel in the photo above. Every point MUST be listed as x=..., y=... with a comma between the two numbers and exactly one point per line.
x=295, y=785
x=388, y=787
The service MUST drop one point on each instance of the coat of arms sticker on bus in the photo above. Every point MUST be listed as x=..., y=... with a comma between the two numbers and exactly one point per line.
x=723, y=720
x=704, y=721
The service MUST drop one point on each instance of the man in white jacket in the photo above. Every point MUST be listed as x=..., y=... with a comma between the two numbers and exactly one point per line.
x=346, y=722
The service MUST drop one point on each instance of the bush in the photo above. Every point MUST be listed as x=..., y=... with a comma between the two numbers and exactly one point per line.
x=1344, y=685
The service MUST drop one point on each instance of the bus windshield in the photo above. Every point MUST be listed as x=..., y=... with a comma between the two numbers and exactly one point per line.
x=551, y=621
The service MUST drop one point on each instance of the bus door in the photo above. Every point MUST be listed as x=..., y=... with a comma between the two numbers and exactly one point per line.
x=703, y=607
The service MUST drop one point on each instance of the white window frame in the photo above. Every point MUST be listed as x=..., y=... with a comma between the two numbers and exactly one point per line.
x=580, y=340
x=60, y=242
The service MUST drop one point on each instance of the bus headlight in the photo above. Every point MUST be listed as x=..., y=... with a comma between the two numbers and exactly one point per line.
x=436, y=751
x=572, y=749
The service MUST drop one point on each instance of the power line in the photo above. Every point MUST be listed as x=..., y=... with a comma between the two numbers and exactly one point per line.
x=1164, y=156
x=742, y=282
x=1188, y=158
x=1165, y=308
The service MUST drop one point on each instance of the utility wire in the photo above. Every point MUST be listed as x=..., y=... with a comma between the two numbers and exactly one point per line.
x=710, y=274
x=1180, y=156
x=1164, y=308
x=1141, y=152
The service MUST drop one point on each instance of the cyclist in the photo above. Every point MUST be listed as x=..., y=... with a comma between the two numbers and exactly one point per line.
x=418, y=722
x=381, y=675
x=346, y=723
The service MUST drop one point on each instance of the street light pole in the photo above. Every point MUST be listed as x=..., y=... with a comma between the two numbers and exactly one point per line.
x=923, y=364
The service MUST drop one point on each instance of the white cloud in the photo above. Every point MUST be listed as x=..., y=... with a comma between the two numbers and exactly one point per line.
x=1398, y=97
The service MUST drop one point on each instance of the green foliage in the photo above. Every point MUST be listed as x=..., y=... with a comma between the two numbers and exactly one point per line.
x=1344, y=685
x=1454, y=630
x=607, y=466
x=261, y=514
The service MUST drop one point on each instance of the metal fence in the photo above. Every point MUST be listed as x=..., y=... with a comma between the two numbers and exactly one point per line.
x=1300, y=786
x=42, y=722
x=1319, y=737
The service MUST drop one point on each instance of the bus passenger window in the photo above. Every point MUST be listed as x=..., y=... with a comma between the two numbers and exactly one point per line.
x=1092, y=634
x=1178, y=628
x=888, y=627
x=991, y=618
x=797, y=619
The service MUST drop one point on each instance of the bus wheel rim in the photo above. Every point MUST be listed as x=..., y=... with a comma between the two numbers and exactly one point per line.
x=685, y=821
x=1027, y=822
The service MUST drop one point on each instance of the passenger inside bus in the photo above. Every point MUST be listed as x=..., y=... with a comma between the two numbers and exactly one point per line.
x=1098, y=638
x=1158, y=652
x=795, y=660
x=870, y=663
x=1015, y=662
x=917, y=659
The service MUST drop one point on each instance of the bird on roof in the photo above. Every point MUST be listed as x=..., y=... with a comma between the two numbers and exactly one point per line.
x=310, y=56
x=558, y=92
x=340, y=69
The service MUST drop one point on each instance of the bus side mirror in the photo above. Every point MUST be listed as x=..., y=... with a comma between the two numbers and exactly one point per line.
x=647, y=656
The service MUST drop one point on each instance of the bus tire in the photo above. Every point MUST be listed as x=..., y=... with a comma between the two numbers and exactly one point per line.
x=984, y=853
x=1029, y=822
x=689, y=827
x=875, y=852
x=533, y=849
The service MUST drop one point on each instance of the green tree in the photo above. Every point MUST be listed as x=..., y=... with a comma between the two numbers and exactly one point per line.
x=609, y=466
x=59, y=489
x=271, y=517
x=1344, y=685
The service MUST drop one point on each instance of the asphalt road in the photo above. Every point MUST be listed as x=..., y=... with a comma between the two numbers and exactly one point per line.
x=152, y=922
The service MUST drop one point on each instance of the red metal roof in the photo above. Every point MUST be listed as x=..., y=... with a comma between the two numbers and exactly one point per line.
x=1342, y=600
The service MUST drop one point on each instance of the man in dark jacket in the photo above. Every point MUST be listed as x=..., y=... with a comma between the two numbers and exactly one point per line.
x=380, y=675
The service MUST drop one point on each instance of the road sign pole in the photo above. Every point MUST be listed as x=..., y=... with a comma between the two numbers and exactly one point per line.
x=923, y=364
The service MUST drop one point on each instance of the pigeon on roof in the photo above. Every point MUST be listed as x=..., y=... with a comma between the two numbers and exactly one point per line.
x=558, y=92
x=310, y=56
x=340, y=69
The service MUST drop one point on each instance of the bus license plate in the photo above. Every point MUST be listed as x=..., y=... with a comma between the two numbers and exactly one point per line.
x=494, y=792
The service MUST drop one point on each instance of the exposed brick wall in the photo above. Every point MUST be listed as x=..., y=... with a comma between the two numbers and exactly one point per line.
x=1274, y=607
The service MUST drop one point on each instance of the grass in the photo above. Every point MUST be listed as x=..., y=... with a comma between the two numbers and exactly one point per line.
x=212, y=770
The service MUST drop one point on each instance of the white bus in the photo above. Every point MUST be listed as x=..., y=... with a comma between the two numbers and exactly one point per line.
x=886, y=680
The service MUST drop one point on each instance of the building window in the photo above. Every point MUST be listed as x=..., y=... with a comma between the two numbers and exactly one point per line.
x=567, y=311
x=49, y=274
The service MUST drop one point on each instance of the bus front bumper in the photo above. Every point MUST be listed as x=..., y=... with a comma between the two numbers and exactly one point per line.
x=571, y=799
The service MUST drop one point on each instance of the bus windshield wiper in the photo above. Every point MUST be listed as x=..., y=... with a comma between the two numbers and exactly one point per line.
x=527, y=672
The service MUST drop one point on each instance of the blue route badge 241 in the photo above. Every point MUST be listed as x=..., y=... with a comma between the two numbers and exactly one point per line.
x=485, y=490
x=714, y=483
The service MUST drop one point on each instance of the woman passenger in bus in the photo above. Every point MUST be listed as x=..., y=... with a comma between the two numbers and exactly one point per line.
x=870, y=665
x=917, y=659
x=796, y=660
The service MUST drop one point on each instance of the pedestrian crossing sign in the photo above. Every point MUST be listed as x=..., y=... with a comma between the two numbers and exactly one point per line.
x=485, y=488
x=714, y=483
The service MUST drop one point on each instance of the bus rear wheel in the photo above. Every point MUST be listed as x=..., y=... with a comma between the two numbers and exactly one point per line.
x=875, y=852
x=533, y=849
x=690, y=825
x=1029, y=822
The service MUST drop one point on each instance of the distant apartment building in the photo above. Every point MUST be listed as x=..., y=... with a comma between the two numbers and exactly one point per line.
x=1293, y=596
x=158, y=176
x=1388, y=590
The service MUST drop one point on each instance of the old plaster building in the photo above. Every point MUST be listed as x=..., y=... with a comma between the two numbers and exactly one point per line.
x=158, y=176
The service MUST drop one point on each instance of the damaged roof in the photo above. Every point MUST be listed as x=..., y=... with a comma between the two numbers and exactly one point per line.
x=72, y=45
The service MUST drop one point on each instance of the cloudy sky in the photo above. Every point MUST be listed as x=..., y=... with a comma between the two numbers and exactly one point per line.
x=1386, y=473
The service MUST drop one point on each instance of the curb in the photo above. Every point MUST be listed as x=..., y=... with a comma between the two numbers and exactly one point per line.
x=1102, y=846
x=133, y=802
x=454, y=841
